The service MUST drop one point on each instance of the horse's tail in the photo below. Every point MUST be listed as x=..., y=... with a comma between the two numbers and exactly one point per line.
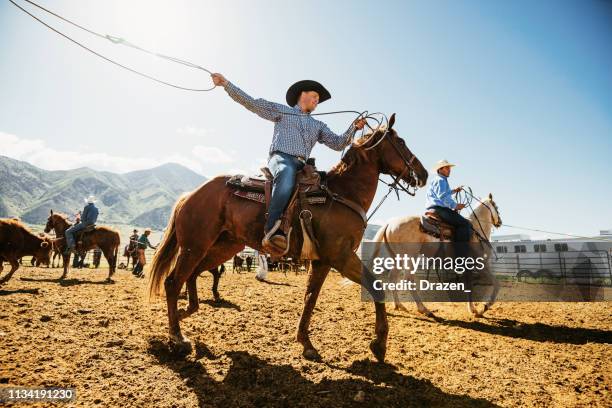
x=380, y=238
x=166, y=254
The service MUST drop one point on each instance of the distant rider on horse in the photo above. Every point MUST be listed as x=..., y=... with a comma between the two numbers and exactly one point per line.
x=89, y=216
x=295, y=134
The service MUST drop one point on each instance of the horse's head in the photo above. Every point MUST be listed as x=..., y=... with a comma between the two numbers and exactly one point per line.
x=394, y=157
x=54, y=221
x=50, y=224
x=493, y=210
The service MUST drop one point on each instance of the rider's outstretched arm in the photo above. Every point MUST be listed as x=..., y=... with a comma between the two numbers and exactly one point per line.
x=263, y=108
x=335, y=141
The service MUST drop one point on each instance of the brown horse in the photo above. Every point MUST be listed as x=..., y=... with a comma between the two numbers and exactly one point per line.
x=211, y=224
x=105, y=238
x=17, y=241
x=129, y=251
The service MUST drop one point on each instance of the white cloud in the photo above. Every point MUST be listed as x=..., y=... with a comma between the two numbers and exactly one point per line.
x=36, y=152
x=195, y=131
x=210, y=154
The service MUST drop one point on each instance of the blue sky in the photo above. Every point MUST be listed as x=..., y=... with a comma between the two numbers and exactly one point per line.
x=518, y=94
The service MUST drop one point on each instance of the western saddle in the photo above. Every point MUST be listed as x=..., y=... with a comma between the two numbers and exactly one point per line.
x=310, y=189
x=433, y=225
x=78, y=237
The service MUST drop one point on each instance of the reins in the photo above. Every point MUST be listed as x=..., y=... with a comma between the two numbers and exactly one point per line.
x=467, y=199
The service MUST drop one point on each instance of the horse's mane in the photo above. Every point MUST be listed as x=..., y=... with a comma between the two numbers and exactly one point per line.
x=63, y=217
x=355, y=154
x=482, y=206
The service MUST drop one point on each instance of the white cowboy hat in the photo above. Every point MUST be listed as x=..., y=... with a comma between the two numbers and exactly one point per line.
x=90, y=199
x=442, y=163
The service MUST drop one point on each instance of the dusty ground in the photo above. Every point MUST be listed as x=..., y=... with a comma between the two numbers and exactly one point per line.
x=108, y=343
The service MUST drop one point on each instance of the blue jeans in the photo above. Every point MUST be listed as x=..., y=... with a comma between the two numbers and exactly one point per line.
x=463, y=228
x=69, y=234
x=284, y=168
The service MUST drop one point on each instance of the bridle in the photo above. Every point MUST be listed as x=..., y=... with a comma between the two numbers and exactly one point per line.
x=396, y=185
x=467, y=199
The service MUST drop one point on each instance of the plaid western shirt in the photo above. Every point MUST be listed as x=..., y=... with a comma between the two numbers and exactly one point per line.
x=294, y=135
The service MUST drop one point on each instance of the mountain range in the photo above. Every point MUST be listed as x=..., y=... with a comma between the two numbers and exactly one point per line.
x=139, y=198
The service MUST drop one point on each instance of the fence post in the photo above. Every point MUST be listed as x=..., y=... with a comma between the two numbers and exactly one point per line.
x=609, y=265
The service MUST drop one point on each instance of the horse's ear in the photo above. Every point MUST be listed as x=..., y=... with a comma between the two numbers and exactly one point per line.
x=490, y=196
x=51, y=211
x=391, y=121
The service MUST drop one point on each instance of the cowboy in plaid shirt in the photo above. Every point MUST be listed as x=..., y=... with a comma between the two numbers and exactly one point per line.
x=295, y=134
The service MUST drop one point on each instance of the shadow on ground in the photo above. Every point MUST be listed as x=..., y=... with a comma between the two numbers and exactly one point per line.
x=252, y=381
x=532, y=331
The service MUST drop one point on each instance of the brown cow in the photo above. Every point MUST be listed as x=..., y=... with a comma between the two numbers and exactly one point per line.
x=17, y=241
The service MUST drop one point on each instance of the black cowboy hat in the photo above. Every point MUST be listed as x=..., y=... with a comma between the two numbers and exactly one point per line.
x=295, y=90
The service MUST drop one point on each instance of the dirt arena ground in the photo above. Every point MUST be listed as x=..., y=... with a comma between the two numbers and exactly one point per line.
x=106, y=341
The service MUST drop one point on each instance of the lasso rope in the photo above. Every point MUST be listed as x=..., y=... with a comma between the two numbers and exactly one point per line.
x=115, y=40
x=121, y=41
x=379, y=117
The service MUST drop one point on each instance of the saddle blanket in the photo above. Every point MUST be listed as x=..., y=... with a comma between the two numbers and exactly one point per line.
x=261, y=197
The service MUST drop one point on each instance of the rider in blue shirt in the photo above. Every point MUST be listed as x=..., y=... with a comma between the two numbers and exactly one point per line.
x=440, y=199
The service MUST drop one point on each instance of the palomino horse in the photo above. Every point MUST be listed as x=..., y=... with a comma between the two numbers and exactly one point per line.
x=105, y=238
x=407, y=230
x=212, y=224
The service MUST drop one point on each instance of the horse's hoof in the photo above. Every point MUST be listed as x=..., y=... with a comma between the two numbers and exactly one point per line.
x=428, y=313
x=109, y=280
x=181, y=344
x=379, y=350
x=401, y=308
x=311, y=354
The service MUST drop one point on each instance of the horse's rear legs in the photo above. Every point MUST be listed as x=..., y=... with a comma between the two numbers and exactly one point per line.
x=109, y=254
x=183, y=270
x=194, y=302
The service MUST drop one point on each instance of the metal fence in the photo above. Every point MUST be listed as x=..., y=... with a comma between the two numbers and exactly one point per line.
x=593, y=266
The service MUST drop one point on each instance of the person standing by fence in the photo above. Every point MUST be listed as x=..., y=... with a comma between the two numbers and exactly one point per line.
x=143, y=244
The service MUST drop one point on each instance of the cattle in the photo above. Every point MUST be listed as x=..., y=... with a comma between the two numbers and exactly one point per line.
x=16, y=241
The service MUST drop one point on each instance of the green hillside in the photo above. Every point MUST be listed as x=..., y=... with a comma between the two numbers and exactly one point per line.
x=142, y=198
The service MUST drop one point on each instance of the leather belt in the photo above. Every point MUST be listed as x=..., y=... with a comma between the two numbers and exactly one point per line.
x=300, y=158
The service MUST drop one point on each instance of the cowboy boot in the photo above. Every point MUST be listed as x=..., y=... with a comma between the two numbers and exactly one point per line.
x=274, y=240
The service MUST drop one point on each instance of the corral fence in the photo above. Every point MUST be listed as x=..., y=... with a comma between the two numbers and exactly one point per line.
x=284, y=265
x=592, y=267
